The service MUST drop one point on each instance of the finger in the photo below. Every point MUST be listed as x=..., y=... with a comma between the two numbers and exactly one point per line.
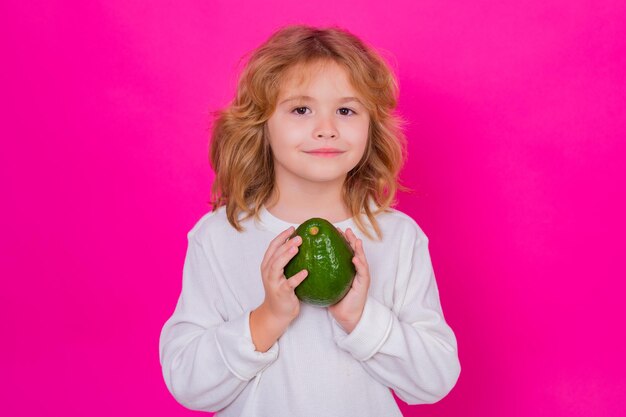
x=357, y=243
x=274, y=244
x=362, y=271
x=360, y=252
x=362, y=280
x=295, y=280
x=351, y=237
x=358, y=246
x=283, y=256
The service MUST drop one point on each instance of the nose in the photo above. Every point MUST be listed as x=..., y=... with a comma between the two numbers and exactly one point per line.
x=322, y=135
x=325, y=128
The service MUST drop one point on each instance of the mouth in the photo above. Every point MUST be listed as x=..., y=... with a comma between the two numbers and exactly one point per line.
x=325, y=154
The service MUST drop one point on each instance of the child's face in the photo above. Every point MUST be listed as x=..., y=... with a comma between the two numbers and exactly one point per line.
x=323, y=120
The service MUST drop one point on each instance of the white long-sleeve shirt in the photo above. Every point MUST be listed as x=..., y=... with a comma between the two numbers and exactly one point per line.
x=315, y=368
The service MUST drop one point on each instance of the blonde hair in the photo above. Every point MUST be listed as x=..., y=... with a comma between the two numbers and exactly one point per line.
x=240, y=154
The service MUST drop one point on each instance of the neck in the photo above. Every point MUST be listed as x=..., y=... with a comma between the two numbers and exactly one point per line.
x=296, y=203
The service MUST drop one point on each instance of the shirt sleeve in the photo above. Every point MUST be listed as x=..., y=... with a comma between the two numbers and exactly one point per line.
x=409, y=347
x=207, y=360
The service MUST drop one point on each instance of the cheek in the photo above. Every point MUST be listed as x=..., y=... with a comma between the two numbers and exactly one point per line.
x=283, y=131
x=358, y=135
x=360, y=143
x=285, y=148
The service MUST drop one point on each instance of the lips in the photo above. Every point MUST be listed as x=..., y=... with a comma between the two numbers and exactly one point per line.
x=325, y=150
x=325, y=153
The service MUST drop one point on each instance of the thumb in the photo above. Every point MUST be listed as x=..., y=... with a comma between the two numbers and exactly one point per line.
x=296, y=279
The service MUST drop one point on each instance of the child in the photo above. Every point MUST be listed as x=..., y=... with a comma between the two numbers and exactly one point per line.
x=310, y=133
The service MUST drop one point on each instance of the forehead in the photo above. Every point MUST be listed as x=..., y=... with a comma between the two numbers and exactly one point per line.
x=301, y=75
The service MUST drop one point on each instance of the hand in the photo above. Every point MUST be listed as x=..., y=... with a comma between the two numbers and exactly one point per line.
x=349, y=310
x=281, y=305
x=280, y=299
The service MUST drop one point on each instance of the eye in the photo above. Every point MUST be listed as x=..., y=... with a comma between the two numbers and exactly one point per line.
x=300, y=110
x=346, y=109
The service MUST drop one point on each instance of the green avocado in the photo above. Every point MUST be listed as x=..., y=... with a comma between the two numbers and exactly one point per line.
x=327, y=256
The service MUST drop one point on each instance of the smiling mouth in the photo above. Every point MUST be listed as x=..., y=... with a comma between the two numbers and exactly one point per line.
x=325, y=154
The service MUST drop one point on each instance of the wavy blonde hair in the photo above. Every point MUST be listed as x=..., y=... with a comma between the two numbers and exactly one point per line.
x=240, y=154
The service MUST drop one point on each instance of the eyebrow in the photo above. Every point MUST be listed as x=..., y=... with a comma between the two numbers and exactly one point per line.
x=309, y=98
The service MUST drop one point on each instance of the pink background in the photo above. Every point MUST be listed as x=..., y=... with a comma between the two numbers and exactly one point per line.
x=516, y=132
